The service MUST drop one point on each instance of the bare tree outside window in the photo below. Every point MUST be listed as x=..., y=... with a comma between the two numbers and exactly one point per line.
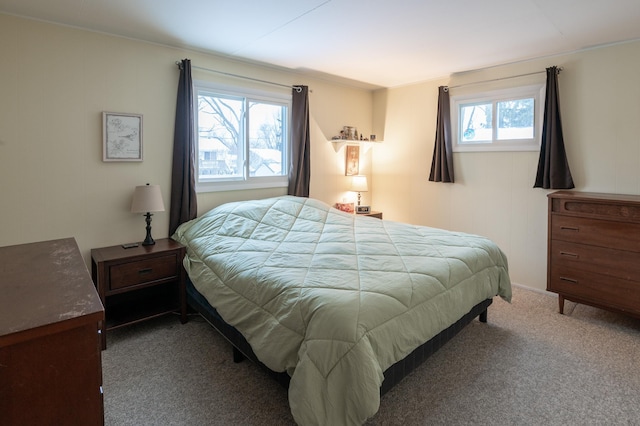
x=240, y=137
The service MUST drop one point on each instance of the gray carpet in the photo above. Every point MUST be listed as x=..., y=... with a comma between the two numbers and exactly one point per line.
x=527, y=366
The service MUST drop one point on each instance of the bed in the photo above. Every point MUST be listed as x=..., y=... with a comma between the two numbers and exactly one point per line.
x=338, y=306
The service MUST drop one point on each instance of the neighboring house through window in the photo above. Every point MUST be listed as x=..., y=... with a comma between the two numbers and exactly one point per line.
x=242, y=138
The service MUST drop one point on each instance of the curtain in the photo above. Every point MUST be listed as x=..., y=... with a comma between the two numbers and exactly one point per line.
x=553, y=168
x=183, y=193
x=442, y=163
x=300, y=171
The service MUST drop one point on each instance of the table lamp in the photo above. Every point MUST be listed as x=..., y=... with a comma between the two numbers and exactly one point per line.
x=359, y=184
x=147, y=198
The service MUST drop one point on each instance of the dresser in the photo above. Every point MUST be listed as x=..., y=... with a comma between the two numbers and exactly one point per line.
x=50, y=360
x=594, y=250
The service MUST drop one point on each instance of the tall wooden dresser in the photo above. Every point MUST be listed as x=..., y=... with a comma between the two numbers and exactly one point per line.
x=50, y=354
x=594, y=250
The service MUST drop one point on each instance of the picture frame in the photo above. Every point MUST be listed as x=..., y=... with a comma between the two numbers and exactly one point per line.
x=352, y=160
x=121, y=136
x=350, y=133
x=363, y=209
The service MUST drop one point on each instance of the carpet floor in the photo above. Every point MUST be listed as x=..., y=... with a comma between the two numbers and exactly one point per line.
x=528, y=365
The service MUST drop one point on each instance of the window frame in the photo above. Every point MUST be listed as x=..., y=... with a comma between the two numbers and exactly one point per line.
x=248, y=95
x=535, y=91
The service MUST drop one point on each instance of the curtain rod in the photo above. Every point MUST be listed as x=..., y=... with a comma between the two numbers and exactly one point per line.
x=502, y=78
x=228, y=74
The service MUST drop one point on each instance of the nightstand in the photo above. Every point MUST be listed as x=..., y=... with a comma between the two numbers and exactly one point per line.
x=377, y=215
x=139, y=283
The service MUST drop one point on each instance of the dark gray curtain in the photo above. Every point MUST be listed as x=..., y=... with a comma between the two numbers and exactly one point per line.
x=442, y=163
x=553, y=168
x=184, y=205
x=300, y=171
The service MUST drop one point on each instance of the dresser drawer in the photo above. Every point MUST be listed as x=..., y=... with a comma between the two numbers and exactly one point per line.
x=143, y=271
x=618, y=263
x=602, y=233
x=595, y=288
x=624, y=208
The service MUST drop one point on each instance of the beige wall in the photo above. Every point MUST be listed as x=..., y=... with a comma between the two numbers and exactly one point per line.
x=55, y=82
x=493, y=194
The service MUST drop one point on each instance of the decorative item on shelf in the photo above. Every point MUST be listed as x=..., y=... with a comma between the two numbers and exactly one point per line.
x=147, y=198
x=359, y=184
x=350, y=133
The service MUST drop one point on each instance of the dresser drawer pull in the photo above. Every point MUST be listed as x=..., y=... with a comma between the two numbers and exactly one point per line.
x=569, y=228
x=570, y=280
x=566, y=253
x=145, y=271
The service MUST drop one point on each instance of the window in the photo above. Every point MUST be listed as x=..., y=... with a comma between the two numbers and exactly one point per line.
x=500, y=120
x=242, y=138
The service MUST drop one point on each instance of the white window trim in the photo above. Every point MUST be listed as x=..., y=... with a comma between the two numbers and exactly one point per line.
x=537, y=91
x=239, y=184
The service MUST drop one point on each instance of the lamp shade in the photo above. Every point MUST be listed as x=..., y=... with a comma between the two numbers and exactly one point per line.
x=359, y=184
x=147, y=198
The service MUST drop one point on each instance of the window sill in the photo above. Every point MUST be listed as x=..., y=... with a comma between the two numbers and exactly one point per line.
x=239, y=186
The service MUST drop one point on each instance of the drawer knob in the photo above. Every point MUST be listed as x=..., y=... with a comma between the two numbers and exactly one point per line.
x=569, y=228
x=570, y=280
x=145, y=271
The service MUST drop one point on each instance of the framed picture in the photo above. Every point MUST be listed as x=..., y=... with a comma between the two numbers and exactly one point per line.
x=121, y=137
x=352, y=155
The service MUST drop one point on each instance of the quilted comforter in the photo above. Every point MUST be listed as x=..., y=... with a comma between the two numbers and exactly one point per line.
x=334, y=298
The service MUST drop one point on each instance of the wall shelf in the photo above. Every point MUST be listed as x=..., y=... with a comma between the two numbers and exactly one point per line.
x=366, y=145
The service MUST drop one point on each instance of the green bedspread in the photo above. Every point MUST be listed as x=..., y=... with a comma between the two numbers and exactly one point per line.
x=334, y=298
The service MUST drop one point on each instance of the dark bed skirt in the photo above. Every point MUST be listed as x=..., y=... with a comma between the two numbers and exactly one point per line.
x=392, y=375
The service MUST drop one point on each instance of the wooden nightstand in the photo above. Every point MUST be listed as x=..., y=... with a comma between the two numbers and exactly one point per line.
x=377, y=215
x=139, y=283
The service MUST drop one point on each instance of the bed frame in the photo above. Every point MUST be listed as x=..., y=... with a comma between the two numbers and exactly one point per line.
x=392, y=375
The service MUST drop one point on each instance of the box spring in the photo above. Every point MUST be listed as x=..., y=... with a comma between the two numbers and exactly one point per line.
x=392, y=375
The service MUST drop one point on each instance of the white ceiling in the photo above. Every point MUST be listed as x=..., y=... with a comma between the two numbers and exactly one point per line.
x=380, y=42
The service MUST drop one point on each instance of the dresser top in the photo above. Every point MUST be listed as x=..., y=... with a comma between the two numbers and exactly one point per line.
x=45, y=284
x=595, y=196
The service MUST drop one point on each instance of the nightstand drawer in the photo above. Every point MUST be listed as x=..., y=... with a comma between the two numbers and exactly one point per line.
x=143, y=271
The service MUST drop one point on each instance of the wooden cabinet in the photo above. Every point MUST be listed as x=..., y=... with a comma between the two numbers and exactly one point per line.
x=139, y=283
x=594, y=250
x=50, y=361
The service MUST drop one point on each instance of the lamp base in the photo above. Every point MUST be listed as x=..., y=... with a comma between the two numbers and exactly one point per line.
x=148, y=241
